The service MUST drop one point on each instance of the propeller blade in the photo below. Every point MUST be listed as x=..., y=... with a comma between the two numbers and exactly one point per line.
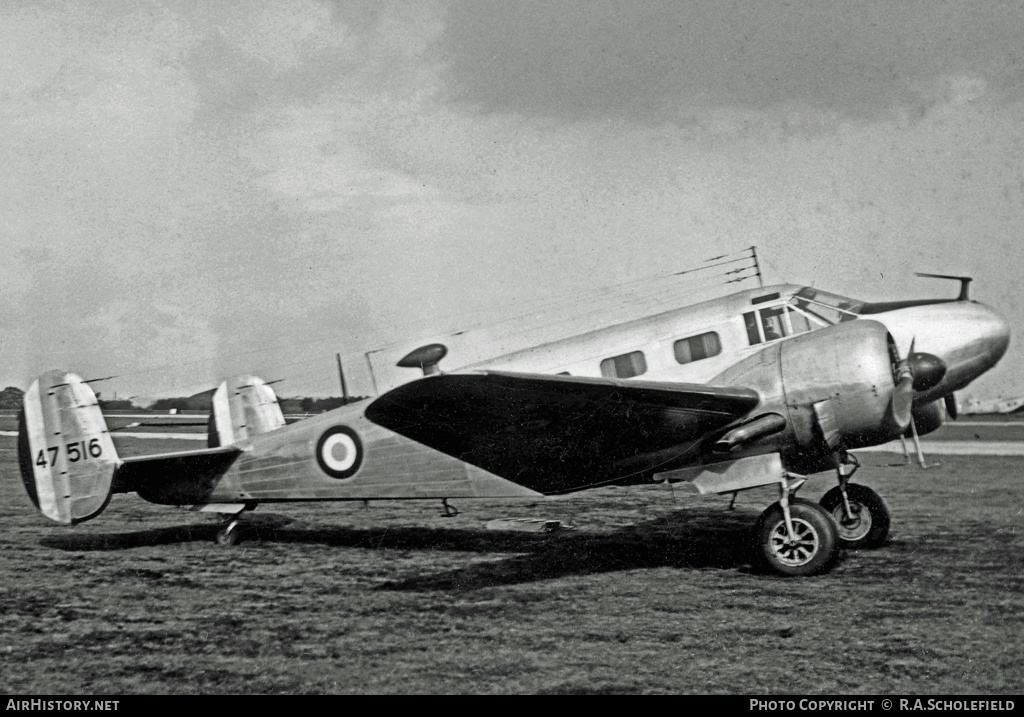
x=951, y=410
x=902, y=403
x=902, y=397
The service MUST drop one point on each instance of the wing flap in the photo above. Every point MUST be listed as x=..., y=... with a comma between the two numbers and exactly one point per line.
x=556, y=434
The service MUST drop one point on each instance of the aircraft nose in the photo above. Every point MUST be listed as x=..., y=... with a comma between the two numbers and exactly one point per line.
x=968, y=337
x=998, y=331
x=984, y=338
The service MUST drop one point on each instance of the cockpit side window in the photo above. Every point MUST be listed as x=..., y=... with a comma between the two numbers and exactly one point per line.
x=773, y=323
x=753, y=333
x=809, y=309
x=801, y=324
x=827, y=308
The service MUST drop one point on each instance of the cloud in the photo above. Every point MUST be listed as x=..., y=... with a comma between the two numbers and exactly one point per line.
x=320, y=176
x=656, y=61
x=29, y=38
x=281, y=35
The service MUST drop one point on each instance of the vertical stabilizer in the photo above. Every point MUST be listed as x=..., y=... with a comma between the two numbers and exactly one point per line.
x=243, y=407
x=66, y=456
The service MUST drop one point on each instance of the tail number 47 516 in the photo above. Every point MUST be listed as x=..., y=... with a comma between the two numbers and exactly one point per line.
x=80, y=451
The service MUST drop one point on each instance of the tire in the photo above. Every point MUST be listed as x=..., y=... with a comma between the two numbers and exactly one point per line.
x=228, y=535
x=870, y=526
x=817, y=543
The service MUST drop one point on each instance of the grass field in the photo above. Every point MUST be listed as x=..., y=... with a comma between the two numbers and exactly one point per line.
x=650, y=592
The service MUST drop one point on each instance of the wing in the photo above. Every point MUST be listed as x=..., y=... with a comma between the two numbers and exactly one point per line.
x=556, y=434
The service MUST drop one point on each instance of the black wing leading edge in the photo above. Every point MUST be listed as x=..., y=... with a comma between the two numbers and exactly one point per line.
x=557, y=434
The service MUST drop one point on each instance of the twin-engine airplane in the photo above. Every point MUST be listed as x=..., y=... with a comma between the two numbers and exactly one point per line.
x=758, y=388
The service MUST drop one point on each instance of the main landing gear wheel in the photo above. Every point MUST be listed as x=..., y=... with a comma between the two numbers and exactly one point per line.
x=869, y=526
x=811, y=550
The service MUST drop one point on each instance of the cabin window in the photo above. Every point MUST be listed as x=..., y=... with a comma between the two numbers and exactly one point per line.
x=624, y=366
x=696, y=348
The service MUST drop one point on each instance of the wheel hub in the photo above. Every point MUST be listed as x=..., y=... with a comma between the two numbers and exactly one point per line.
x=855, y=527
x=798, y=549
x=853, y=520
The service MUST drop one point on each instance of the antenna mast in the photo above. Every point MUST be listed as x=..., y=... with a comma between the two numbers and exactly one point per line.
x=757, y=266
x=341, y=376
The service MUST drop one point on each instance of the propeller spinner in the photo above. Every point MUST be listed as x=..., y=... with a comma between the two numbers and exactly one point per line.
x=928, y=370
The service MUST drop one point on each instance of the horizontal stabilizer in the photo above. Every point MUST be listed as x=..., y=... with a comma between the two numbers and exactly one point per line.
x=66, y=456
x=182, y=478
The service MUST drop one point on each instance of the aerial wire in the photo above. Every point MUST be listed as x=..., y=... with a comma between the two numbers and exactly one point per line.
x=619, y=301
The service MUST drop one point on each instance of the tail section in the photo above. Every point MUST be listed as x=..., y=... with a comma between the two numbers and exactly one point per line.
x=66, y=456
x=243, y=407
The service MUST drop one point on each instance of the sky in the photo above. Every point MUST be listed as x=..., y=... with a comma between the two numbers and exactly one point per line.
x=191, y=190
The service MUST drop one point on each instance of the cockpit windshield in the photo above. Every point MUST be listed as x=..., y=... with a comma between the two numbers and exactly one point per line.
x=829, y=308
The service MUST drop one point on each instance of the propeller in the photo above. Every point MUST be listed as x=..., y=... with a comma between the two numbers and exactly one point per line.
x=919, y=371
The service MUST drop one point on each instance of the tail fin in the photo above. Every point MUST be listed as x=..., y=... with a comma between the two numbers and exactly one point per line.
x=66, y=456
x=243, y=407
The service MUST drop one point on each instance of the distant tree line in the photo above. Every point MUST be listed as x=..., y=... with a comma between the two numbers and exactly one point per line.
x=189, y=403
x=11, y=397
x=118, y=404
x=204, y=402
x=319, y=405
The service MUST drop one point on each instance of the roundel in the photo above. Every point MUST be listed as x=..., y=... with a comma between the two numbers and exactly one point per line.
x=339, y=452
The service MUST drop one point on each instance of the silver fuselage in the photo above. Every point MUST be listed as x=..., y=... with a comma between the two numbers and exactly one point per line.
x=968, y=336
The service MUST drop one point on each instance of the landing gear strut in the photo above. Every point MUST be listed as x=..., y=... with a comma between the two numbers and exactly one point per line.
x=866, y=525
x=794, y=536
x=861, y=515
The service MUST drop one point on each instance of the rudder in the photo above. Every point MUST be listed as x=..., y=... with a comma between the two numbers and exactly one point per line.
x=243, y=407
x=65, y=452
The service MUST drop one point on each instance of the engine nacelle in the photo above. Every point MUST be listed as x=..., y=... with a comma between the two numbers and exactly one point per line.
x=834, y=386
x=929, y=417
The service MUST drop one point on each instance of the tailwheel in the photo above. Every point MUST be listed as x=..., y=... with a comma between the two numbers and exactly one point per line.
x=811, y=549
x=867, y=526
x=228, y=534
